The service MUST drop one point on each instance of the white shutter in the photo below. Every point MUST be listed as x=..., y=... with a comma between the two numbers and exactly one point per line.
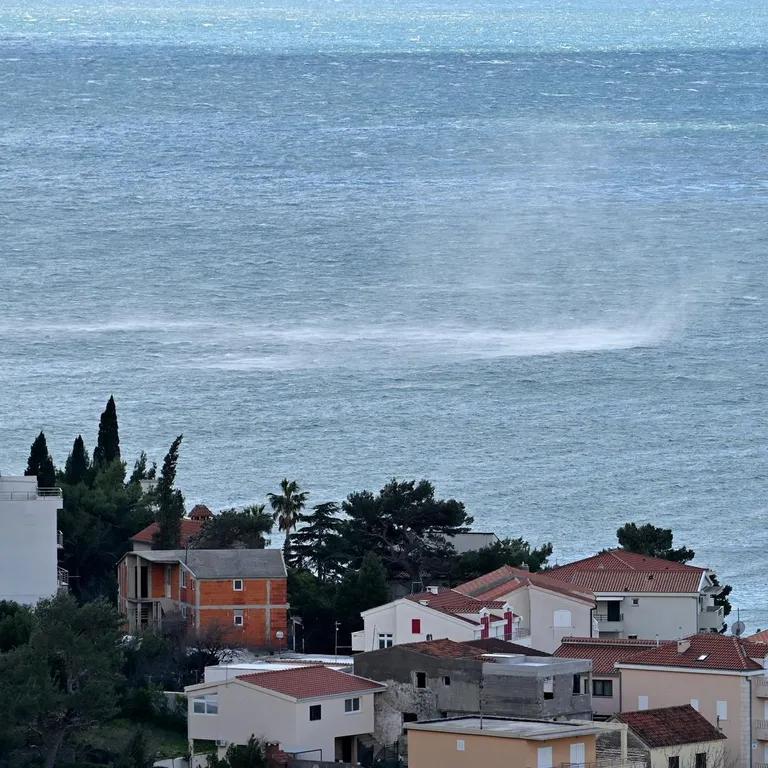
x=722, y=710
x=544, y=757
x=578, y=754
x=642, y=702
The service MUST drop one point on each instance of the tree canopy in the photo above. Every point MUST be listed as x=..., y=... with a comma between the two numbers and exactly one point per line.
x=317, y=545
x=108, y=445
x=404, y=524
x=77, y=468
x=514, y=552
x=169, y=501
x=652, y=541
x=288, y=504
x=236, y=529
x=40, y=463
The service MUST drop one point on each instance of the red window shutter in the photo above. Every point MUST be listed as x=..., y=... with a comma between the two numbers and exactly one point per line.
x=416, y=626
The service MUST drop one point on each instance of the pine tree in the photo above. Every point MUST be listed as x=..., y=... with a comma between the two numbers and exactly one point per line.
x=170, y=502
x=317, y=545
x=40, y=463
x=108, y=446
x=78, y=464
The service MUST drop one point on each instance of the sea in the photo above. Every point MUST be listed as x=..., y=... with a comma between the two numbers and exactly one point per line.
x=516, y=247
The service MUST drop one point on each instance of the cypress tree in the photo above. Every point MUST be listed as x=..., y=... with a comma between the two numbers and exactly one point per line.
x=170, y=502
x=78, y=463
x=108, y=445
x=40, y=463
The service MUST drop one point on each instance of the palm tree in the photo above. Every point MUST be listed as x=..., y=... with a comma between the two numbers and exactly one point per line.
x=288, y=504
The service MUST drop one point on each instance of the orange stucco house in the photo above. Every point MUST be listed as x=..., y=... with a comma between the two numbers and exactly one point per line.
x=242, y=590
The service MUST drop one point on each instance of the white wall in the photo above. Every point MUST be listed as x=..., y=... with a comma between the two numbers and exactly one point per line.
x=669, y=617
x=28, y=551
x=395, y=619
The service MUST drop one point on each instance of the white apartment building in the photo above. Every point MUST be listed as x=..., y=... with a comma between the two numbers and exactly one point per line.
x=30, y=540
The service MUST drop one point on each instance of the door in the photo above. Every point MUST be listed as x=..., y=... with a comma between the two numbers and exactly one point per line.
x=614, y=610
x=765, y=710
x=578, y=754
x=544, y=757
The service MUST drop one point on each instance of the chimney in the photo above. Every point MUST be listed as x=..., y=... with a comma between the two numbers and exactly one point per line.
x=509, y=622
x=433, y=590
x=683, y=645
x=485, y=623
x=525, y=567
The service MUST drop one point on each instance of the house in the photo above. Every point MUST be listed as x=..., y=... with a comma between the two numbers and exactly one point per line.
x=314, y=713
x=444, y=678
x=274, y=663
x=548, y=608
x=241, y=590
x=646, y=597
x=720, y=676
x=759, y=637
x=472, y=541
x=516, y=605
x=30, y=541
x=495, y=741
x=603, y=652
x=670, y=737
x=438, y=612
x=190, y=527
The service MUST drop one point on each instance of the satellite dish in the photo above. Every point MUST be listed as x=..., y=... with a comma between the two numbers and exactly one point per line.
x=737, y=628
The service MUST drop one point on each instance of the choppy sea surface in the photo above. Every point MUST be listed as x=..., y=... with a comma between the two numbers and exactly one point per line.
x=518, y=248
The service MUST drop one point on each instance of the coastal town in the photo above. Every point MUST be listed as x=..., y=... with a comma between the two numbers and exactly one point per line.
x=385, y=632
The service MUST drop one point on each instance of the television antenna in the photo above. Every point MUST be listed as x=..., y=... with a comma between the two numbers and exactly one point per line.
x=738, y=626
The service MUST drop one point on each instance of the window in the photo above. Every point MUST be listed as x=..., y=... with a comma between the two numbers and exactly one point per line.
x=602, y=688
x=561, y=619
x=192, y=582
x=315, y=712
x=237, y=585
x=183, y=611
x=446, y=680
x=695, y=704
x=631, y=637
x=576, y=685
x=415, y=626
x=409, y=717
x=206, y=705
x=352, y=705
x=722, y=710
x=635, y=601
x=385, y=641
x=673, y=762
x=183, y=578
x=701, y=760
x=642, y=702
x=459, y=745
x=421, y=679
x=549, y=688
x=238, y=616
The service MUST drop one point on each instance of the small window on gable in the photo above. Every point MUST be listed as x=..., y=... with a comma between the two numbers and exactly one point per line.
x=315, y=712
x=561, y=618
x=459, y=745
x=352, y=705
x=722, y=710
x=421, y=679
x=446, y=680
x=415, y=626
x=237, y=585
x=635, y=601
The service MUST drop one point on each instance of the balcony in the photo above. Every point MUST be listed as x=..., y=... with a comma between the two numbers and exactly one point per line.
x=760, y=729
x=40, y=493
x=711, y=618
x=760, y=686
x=62, y=577
x=613, y=622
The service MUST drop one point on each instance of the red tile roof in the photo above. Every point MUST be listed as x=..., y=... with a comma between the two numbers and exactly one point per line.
x=468, y=649
x=497, y=645
x=604, y=652
x=706, y=651
x=760, y=637
x=507, y=579
x=310, y=682
x=670, y=726
x=200, y=512
x=454, y=603
x=621, y=571
x=189, y=528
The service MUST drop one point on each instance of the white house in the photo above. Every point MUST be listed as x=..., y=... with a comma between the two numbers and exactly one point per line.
x=439, y=613
x=548, y=610
x=645, y=597
x=30, y=541
x=313, y=713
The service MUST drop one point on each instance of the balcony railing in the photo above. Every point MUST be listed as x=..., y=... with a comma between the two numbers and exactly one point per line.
x=603, y=617
x=62, y=575
x=760, y=729
x=40, y=493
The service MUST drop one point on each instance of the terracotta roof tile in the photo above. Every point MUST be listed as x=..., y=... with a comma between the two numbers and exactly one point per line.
x=621, y=571
x=189, y=528
x=604, y=652
x=200, y=512
x=760, y=637
x=670, y=726
x=507, y=579
x=310, y=682
x=706, y=651
x=468, y=649
x=497, y=645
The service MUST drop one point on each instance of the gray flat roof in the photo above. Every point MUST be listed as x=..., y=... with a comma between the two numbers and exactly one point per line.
x=223, y=563
x=535, y=730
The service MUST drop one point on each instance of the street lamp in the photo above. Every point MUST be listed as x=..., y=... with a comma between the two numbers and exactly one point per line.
x=279, y=635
